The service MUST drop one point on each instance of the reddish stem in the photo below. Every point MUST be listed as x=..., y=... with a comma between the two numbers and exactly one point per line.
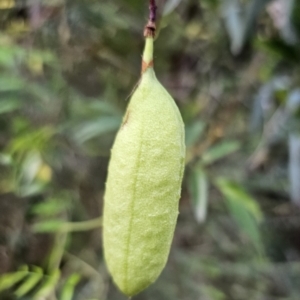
x=150, y=28
x=152, y=9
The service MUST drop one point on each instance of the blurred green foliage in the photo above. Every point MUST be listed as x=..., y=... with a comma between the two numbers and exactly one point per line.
x=67, y=69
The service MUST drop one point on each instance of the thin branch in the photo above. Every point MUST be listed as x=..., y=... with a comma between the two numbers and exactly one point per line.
x=152, y=11
x=150, y=28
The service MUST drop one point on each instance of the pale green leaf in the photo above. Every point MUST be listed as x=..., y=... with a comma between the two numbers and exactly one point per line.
x=219, y=151
x=95, y=128
x=236, y=193
x=10, y=279
x=33, y=279
x=5, y=159
x=198, y=188
x=9, y=104
x=32, y=140
x=69, y=287
x=31, y=189
x=48, y=285
x=30, y=166
x=50, y=207
x=193, y=132
x=10, y=83
x=244, y=210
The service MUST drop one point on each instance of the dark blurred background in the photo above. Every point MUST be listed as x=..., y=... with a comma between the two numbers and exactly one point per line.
x=67, y=68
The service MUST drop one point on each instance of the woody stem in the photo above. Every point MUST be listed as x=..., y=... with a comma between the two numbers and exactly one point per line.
x=150, y=28
x=152, y=11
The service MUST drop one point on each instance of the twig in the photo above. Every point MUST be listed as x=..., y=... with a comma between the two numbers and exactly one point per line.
x=150, y=28
x=152, y=11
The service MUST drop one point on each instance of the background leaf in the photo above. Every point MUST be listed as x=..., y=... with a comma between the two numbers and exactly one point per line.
x=219, y=151
x=198, y=188
x=244, y=209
